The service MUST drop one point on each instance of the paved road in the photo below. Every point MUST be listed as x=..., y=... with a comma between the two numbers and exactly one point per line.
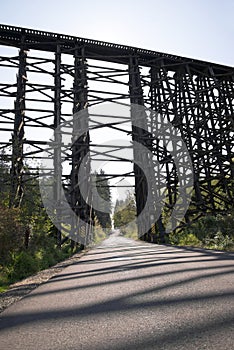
x=126, y=295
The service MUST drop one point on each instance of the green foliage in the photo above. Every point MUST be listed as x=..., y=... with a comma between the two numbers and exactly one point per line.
x=4, y=279
x=27, y=240
x=11, y=233
x=125, y=211
x=184, y=238
x=214, y=232
x=99, y=233
x=4, y=179
x=49, y=255
x=27, y=262
x=130, y=230
x=23, y=265
x=190, y=239
x=125, y=216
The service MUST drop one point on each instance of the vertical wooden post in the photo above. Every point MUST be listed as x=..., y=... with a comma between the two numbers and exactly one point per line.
x=17, y=165
x=58, y=141
x=141, y=135
x=80, y=148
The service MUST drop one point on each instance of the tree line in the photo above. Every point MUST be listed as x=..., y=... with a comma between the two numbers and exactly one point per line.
x=28, y=238
x=207, y=231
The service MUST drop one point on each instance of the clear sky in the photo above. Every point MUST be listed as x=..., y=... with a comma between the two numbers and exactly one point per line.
x=202, y=29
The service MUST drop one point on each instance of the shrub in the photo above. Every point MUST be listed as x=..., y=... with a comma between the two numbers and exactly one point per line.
x=185, y=238
x=23, y=265
x=11, y=233
x=215, y=232
x=190, y=239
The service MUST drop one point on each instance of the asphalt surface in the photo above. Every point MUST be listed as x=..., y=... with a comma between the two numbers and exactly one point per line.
x=129, y=295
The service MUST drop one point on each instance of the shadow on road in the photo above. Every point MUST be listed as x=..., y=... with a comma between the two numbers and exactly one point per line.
x=176, y=281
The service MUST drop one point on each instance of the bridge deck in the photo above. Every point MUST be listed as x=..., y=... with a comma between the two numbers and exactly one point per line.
x=105, y=51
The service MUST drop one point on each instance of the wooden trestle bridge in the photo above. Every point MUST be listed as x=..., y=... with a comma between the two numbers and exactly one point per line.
x=58, y=76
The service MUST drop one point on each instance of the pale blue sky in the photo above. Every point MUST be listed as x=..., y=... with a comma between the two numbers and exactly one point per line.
x=200, y=29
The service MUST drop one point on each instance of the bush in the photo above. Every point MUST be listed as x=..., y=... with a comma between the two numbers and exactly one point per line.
x=130, y=230
x=214, y=232
x=45, y=259
x=11, y=233
x=190, y=239
x=220, y=241
x=184, y=238
x=23, y=265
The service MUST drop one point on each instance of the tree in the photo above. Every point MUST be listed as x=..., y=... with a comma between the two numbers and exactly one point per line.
x=4, y=179
x=125, y=211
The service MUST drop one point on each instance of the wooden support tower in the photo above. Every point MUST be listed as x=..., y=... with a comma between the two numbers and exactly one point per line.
x=60, y=76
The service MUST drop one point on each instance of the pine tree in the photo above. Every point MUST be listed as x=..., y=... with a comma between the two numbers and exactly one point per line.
x=125, y=211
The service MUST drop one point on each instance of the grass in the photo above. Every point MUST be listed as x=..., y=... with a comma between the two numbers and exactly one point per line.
x=4, y=287
x=4, y=280
x=27, y=263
